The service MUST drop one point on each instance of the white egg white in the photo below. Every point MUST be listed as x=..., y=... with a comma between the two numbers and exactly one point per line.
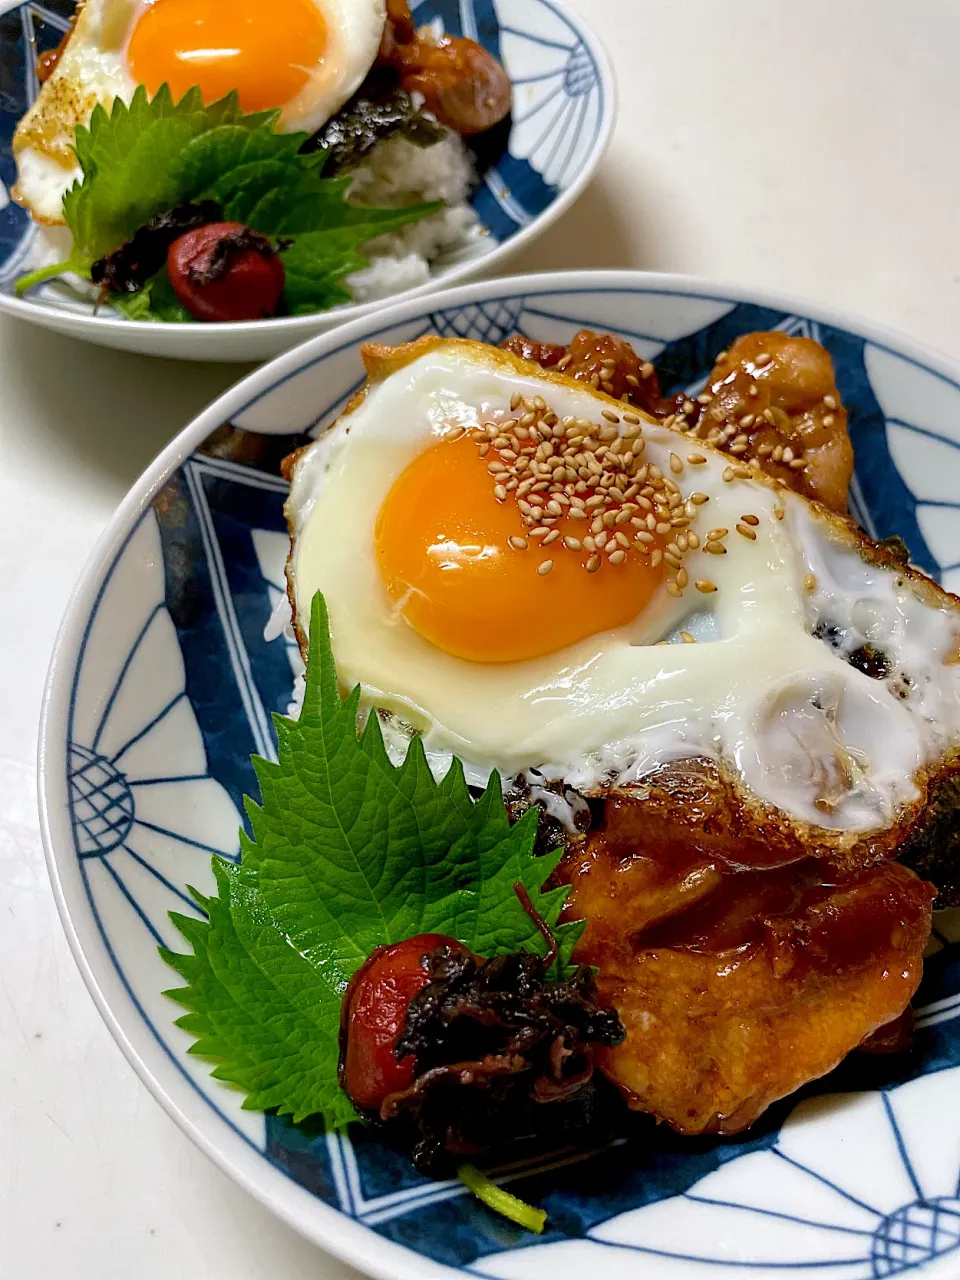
x=93, y=69
x=783, y=710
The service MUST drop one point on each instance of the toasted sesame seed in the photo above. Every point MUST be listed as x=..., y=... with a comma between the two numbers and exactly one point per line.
x=787, y=454
x=673, y=561
x=673, y=588
x=830, y=401
x=656, y=556
x=572, y=544
x=631, y=419
x=688, y=406
x=496, y=468
x=828, y=419
x=544, y=567
x=698, y=499
x=643, y=536
x=683, y=542
x=728, y=474
x=742, y=473
x=687, y=638
x=518, y=544
x=682, y=577
x=500, y=493
x=562, y=364
x=704, y=397
x=552, y=536
x=798, y=464
x=617, y=557
x=577, y=513
x=747, y=420
x=672, y=548
x=750, y=520
x=747, y=532
x=593, y=564
x=777, y=454
x=738, y=449
x=778, y=512
x=696, y=459
x=715, y=548
x=705, y=585
x=716, y=535
x=692, y=540
x=528, y=419
x=646, y=369
x=676, y=465
x=809, y=582
x=763, y=359
x=662, y=527
x=483, y=450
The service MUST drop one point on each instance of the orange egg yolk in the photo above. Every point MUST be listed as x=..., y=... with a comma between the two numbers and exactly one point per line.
x=264, y=51
x=445, y=560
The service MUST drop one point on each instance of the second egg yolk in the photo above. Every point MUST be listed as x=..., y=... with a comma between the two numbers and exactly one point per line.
x=264, y=51
x=444, y=557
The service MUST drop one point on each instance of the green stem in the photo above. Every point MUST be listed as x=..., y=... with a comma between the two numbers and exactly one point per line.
x=500, y=1201
x=80, y=265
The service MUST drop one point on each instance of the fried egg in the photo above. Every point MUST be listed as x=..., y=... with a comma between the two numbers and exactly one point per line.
x=306, y=57
x=731, y=621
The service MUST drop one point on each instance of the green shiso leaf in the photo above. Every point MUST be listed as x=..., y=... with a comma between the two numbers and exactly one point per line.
x=348, y=853
x=153, y=155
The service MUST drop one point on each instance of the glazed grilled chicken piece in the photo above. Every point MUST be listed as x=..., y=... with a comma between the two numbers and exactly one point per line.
x=770, y=399
x=462, y=84
x=610, y=364
x=736, y=985
x=773, y=399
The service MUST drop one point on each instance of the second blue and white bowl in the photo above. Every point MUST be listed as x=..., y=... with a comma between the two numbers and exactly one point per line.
x=563, y=113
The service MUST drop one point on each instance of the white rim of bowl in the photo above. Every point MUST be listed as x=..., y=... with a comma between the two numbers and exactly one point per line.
x=349, y=312
x=331, y=1229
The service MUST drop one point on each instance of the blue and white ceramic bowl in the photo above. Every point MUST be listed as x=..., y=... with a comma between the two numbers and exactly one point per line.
x=563, y=113
x=162, y=685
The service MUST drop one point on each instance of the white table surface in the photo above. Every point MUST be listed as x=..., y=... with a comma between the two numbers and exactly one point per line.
x=802, y=145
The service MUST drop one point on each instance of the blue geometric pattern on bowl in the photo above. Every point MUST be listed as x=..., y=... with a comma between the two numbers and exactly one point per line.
x=557, y=118
x=174, y=688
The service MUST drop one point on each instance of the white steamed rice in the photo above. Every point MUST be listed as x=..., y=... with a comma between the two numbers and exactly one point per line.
x=397, y=172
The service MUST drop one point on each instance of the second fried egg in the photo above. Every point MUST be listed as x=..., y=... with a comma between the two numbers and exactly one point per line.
x=305, y=57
